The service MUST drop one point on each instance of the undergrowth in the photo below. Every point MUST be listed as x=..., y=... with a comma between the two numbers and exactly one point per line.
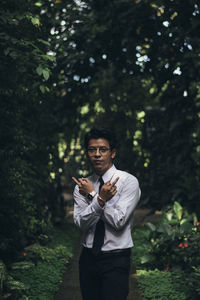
x=159, y=285
x=39, y=275
x=155, y=284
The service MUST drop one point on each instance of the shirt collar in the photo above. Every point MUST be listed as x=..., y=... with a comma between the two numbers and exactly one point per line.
x=108, y=174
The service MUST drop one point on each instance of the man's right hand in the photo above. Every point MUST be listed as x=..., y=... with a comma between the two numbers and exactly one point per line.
x=85, y=185
x=108, y=190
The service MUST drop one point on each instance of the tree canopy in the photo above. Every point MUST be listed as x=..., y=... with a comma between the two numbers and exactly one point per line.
x=67, y=65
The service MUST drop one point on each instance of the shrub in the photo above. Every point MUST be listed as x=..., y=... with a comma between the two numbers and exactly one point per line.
x=2, y=275
x=141, y=255
x=159, y=285
x=175, y=240
x=172, y=246
x=193, y=280
x=39, y=273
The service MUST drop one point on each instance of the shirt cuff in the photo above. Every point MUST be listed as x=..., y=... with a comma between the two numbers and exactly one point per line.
x=95, y=204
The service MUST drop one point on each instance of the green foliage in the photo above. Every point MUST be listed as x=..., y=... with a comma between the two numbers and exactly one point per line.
x=2, y=275
x=130, y=57
x=37, y=252
x=193, y=280
x=66, y=65
x=40, y=273
x=142, y=246
x=172, y=245
x=29, y=131
x=175, y=239
x=158, y=285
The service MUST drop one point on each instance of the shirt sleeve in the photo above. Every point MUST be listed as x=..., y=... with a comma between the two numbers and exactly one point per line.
x=118, y=215
x=86, y=213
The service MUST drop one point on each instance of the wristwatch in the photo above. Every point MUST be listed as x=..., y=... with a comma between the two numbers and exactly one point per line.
x=102, y=200
x=91, y=195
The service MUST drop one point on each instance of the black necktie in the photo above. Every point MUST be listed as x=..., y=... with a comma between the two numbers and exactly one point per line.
x=99, y=231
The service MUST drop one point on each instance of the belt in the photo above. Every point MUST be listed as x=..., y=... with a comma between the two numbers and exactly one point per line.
x=114, y=252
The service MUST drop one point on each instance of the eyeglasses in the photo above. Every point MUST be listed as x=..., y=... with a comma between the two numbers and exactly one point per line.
x=102, y=150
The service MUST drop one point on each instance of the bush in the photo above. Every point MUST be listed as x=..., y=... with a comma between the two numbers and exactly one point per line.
x=29, y=134
x=142, y=247
x=175, y=240
x=39, y=274
x=159, y=285
x=167, y=255
x=193, y=280
x=2, y=275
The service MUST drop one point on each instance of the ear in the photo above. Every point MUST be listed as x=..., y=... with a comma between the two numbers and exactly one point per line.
x=113, y=153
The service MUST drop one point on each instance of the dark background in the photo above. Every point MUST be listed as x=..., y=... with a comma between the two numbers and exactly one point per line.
x=67, y=65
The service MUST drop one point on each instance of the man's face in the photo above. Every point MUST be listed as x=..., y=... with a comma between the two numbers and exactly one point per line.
x=100, y=155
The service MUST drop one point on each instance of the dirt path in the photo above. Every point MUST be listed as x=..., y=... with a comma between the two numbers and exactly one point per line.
x=70, y=290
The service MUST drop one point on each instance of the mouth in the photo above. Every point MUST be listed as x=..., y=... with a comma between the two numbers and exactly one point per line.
x=97, y=162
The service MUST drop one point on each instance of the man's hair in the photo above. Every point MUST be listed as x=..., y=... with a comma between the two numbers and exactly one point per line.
x=100, y=132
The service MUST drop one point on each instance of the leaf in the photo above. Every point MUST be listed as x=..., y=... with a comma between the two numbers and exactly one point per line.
x=186, y=227
x=46, y=74
x=39, y=4
x=44, y=42
x=178, y=210
x=166, y=228
x=195, y=219
x=49, y=57
x=169, y=215
x=35, y=21
x=13, y=284
x=42, y=89
x=39, y=70
x=151, y=226
x=145, y=258
x=23, y=265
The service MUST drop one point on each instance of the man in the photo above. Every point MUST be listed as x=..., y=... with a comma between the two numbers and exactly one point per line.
x=103, y=209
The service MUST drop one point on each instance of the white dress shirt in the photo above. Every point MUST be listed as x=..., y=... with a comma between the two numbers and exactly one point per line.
x=117, y=213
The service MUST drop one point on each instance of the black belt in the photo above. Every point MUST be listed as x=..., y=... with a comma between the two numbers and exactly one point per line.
x=114, y=252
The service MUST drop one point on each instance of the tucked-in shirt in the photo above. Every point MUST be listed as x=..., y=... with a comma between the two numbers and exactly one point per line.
x=117, y=213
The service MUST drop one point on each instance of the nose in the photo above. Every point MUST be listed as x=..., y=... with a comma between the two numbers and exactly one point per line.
x=97, y=153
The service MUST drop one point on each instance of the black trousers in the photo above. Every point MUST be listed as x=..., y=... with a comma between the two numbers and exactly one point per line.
x=104, y=277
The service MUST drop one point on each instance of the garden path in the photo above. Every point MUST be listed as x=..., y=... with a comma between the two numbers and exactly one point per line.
x=70, y=290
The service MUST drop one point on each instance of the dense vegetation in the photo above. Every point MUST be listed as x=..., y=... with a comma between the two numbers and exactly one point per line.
x=66, y=65
x=167, y=253
x=39, y=271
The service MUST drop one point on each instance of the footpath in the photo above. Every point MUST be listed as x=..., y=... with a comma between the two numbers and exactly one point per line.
x=70, y=289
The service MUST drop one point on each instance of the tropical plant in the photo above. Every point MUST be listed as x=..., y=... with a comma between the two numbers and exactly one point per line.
x=175, y=239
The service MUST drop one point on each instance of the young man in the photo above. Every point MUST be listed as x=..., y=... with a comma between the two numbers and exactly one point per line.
x=103, y=210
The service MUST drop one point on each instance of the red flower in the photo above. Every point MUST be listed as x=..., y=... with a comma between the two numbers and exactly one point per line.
x=197, y=223
x=24, y=254
x=185, y=245
x=180, y=245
